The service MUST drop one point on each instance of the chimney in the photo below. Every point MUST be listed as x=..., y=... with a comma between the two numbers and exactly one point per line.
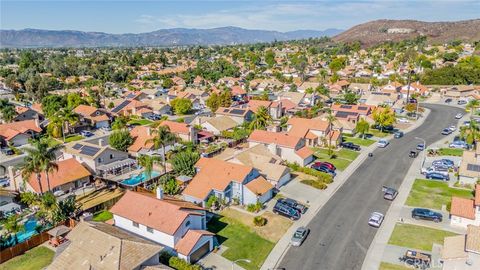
x=37, y=122
x=149, y=131
x=101, y=142
x=159, y=192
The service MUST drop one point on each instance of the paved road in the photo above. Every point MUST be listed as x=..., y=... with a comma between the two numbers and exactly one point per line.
x=340, y=236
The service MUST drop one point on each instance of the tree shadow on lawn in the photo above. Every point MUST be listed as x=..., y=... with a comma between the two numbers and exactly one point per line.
x=215, y=225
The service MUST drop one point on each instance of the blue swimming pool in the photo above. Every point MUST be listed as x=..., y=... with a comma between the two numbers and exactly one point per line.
x=140, y=178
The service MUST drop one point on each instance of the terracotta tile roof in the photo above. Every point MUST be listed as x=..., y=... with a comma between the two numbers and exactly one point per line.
x=462, y=208
x=176, y=127
x=255, y=104
x=21, y=109
x=287, y=104
x=454, y=248
x=301, y=126
x=85, y=110
x=189, y=240
x=304, y=152
x=10, y=130
x=259, y=185
x=282, y=139
x=477, y=195
x=215, y=174
x=237, y=90
x=473, y=239
x=140, y=137
x=150, y=211
x=37, y=107
x=69, y=170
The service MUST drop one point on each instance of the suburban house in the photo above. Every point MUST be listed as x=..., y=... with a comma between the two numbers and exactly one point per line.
x=98, y=245
x=461, y=91
x=18, y=133
x=469, y=169
x=92, y=116
x=218, y=124
x=350, y=113
x=69, y=176
x=466, y=212
x=238, y=114
x=315, y=131
x=227, y=181
x=462, y=252
x=392, y=87
x=274, y=107
x=132, y=107
x=416, y=88
x=98, y=158
x=259, y=157
x=289, y=147
x=183, y=131
x=179, y=226
x=141, y=145
x=25, y=113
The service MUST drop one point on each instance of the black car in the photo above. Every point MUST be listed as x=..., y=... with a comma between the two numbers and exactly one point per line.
x=398, y=134
x=294, y=204
x=350, y=145
x=427, y=214
x=287, y=211
x=448, y=100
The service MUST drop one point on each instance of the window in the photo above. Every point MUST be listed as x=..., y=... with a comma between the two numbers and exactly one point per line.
x=111, y=156
x=187, y=224
x=150, y=230
x=135, y=224
x=100, y=160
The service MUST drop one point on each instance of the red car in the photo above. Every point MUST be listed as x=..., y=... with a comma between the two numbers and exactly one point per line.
x=329, y=165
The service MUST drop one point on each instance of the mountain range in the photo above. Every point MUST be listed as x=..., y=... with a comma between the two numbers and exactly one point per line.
x=165, y=37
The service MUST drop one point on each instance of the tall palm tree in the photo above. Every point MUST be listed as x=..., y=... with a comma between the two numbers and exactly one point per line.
x=147, y=162
x=32, y=165
x=473, y=105
x=13, y=226
x=68, y=118
x=330, y=119
x=261, y=119
x=162, y=138
x=471, y=133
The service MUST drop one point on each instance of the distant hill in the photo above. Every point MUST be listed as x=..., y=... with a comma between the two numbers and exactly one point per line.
x=376, y=32
x=165, y=37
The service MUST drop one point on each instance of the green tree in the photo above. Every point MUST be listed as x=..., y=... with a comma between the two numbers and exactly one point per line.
x=120, y=122
x=261, y=118
x=472, y=106
x=65, y=209
x=161, y=138
x=7, y=110
x=181, y=106
x=330, y=119
x=147, y=162
x=13, y=226
x=120, y=139
x=213, y=102
x=362, y=127
x=383, y=117
x=350, y=97
x=270, y=58
x=183, y=163
x=471, y=133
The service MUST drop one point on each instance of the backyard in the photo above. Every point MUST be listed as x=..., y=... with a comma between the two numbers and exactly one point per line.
x=342, y=158
x=417, y=237
x=102, y=216
x=241, y=240
x=34, y=259
x=433, y=194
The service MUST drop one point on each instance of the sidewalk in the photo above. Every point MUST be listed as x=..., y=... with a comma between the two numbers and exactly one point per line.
x=283, y=244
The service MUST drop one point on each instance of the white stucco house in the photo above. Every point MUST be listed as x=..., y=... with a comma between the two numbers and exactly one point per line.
x=466, y=212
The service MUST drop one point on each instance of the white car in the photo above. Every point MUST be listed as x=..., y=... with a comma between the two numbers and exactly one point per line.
x=435, y=170
x=376, y=219
x=403, y=120
x=458, y=116
x=452, y=128
x=382, y=143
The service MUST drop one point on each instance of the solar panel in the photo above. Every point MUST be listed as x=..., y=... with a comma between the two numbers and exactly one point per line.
x=89, y=150
x=362, y=108
x=236, y=111
x=345, y=106
x=344, y=114
x=225, y=110
x=131, y=95
x=121, y=106
x=473, y=167
x=77, y=146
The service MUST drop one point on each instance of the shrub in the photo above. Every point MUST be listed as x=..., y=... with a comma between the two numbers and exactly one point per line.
x=315, y=183
x=212, y=201
x=181, y=264
x=254, y=207
x=259, y=221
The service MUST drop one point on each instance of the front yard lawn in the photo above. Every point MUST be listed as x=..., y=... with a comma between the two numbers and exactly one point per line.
x=417, y=237
x=450, y=152
x=343, y=157
x=141, y=122
x=391, y=266
x=359, y=141
x=378, y=133
x=433, y=194
x=102, y=216
x=242, y=242
x=35, y=259
x=72, y=138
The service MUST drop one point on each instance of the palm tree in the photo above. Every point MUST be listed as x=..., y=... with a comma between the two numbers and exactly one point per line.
x=146, y=162
x=473, y=105
x=162, y=138
x=68, y=118
x=32, y=165
x=13, y=226
x=330, y=119
x=261, y=119
x=471, y=133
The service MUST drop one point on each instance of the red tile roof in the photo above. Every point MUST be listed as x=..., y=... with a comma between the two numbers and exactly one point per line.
x=255, y=104
x=176, y=127
x=259, y=185
x=190, y=239
x=301, y=126
x=140, y=137
x=462, y=207
x=477, y=194
x=304, y=152
x=282, y=139
x=10, y=130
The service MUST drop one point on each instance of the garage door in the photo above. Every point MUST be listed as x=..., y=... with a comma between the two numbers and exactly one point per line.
x=199, y=253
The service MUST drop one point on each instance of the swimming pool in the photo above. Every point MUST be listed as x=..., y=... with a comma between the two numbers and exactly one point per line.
x=140, y=178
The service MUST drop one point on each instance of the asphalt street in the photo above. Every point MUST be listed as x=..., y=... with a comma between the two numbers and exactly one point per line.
x=340, y=235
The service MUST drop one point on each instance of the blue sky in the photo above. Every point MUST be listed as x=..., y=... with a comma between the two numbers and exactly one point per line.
x=143, y=16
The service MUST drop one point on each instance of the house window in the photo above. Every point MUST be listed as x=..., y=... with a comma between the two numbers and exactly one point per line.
x=150, y=230
x=187, y=224
x=111, y=156
x=100, y=160
x=135, y=224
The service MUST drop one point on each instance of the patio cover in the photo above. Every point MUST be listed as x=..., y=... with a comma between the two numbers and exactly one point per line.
x=59, y=231
x=117, y=164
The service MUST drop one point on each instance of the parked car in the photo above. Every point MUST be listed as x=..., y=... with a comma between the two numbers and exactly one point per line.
x=285, y=210
x=461, y=102
x=466, y=123
x=326, y=164
x=382, y=143
x=434, y=169
x=86, y=133
x=420, y=147
x=446, y=131
x=294, y=204
x=106, y=129
x=403, y=120
x=444, y=162
x=299, y=236
x=458, y=115
x=426, y=214
x=4, y=182
x=452, y=128
x=325, y=169
x=7, y=151
x=389, y=193
x=413, y=153
x=448, y=100
x=437, y=176
x=376, y=219
x=398, y=134
x=417, y=259
x=350, y=145
x=458, y=145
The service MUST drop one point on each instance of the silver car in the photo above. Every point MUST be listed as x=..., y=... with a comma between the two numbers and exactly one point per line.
x=299, y=236
x=376, y=219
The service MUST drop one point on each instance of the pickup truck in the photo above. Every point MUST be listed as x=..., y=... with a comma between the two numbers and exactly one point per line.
x=350, y=145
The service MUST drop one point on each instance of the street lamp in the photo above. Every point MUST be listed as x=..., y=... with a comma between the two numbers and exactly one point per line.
x=424, y=149
x=240, y=260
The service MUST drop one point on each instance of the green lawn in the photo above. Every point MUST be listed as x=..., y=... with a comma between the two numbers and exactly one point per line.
x=417, y=237
x=52, y=141
x=241, y=241
x=35, y=259
x=378, y=133
x=359, y=141
x=141, y=122
x=343, y=157
x=102, y=216
x=391, y=266
x=450, y=152
x=433, y=194
x=73, y=137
